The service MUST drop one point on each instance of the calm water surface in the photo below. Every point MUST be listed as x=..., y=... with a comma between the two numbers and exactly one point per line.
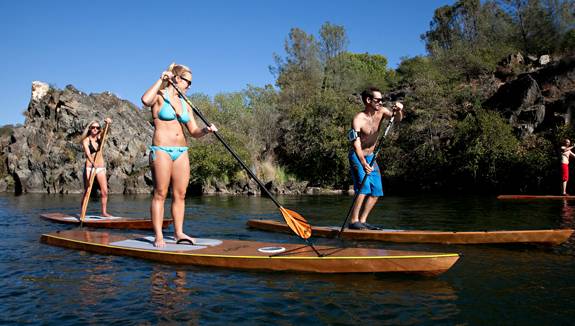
x=490, y=285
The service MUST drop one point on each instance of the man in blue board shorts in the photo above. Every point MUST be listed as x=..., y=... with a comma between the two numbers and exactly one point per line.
x=363, y=137
x=372, y=185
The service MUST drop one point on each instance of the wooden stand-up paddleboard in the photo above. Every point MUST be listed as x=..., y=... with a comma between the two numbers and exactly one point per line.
x=547, y=237
x=508, y=197
x=252, y=255
x=105, y=222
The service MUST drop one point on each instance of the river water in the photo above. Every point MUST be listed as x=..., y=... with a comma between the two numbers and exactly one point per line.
x=491, y=284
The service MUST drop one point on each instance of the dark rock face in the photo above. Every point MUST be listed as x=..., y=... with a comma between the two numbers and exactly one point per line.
x=540, y=99
x=45, y=155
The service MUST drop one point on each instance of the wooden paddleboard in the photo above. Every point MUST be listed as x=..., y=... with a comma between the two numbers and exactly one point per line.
x=252, y=255
x=105, y=222
x=509, y=197
x=547, y=237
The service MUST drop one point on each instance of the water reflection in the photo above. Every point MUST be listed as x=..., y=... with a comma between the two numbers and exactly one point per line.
x=98, y=283
x=171, y=295
x=567, y=214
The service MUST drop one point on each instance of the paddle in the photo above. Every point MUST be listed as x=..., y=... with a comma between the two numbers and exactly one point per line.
x=375, y=153
x=86, y=197
x=294, y=220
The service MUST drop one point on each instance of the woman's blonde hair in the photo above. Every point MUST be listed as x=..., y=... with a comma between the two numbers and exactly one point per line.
x=177, y=70
x=87, y=130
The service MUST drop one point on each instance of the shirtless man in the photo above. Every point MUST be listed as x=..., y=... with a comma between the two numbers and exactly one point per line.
x=363, y=137
x=566, y=153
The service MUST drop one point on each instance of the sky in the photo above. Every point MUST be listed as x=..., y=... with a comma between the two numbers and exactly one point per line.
x=122, y=46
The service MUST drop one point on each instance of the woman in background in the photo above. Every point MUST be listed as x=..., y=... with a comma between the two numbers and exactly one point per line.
x=91, y=142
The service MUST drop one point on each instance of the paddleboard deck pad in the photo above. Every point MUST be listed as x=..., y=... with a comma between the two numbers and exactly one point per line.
x=545, y=237
x=253, y=255
x=113, y=222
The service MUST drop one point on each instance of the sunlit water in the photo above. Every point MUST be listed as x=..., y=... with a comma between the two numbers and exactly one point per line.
x=490, y=285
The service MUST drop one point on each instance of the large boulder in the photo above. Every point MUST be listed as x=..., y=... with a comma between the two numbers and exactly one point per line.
x=45, y=154
x=540, y=99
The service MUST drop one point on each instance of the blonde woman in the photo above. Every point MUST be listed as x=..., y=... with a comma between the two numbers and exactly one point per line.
x=169, y=151
x=91, y=141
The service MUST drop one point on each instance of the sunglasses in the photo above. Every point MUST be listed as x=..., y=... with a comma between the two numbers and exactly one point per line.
x=95, y=127
x=377, y=100
x=186, y=80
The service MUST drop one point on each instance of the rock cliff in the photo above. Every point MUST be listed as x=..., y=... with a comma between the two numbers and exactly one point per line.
x=45, y=155
x=539, y=99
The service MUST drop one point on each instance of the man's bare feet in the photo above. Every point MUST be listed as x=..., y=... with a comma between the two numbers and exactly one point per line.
x=107, y=215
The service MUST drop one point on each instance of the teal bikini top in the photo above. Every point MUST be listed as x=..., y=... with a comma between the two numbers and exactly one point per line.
x=168, y=113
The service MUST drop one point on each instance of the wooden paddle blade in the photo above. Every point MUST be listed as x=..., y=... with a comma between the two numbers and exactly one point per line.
x=297, y=223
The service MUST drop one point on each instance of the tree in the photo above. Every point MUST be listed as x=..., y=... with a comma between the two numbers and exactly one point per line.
x=299, y=75
x=541, y=25
x=469, y=38
x=333, y=41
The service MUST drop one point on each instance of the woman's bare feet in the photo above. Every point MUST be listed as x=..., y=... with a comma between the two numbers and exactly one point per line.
x=159, y=242
x=107, y=215
x=183, y=237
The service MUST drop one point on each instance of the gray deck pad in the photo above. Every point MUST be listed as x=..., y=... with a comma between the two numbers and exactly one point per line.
x=91, y=218
x=147, y=243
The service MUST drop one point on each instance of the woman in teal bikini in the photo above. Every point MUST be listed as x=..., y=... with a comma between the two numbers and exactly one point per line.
x=169, y=152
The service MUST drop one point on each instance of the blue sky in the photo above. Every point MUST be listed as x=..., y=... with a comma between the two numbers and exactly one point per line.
x=123, y=46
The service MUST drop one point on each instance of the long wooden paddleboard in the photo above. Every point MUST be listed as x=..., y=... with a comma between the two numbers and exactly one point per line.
x=509, y=197
x=547, y=237
x=105, y=222
x=252, y=255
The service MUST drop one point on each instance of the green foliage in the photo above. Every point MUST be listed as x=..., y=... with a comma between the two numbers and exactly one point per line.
x=314, y=145
x=352, y=73
x=333, y=41
x=568, y=43
x=540, y=26
x=209, y=160
x=537, y=169
x=246, y=121
x=484, y=148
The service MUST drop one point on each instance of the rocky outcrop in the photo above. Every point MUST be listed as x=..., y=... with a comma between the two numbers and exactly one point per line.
x=540, y=99
x=45, y=155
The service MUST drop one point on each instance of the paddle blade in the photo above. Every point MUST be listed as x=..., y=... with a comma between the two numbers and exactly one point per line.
x=297, y=223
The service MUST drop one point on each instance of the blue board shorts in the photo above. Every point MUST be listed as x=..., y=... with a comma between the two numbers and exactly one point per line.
x=373, y=185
